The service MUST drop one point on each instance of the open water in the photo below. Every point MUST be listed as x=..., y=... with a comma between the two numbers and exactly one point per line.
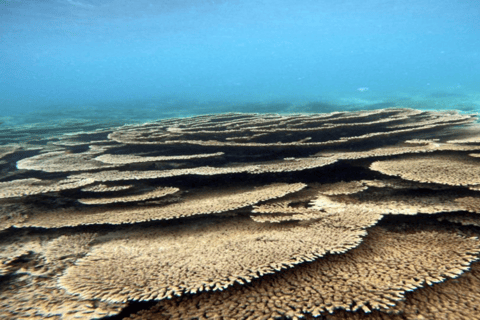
x=118, y=61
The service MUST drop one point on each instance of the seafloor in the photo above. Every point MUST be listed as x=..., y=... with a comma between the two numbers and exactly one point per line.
x=365, y=212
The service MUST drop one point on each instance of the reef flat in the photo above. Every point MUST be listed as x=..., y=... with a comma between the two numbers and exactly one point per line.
x=345, y=215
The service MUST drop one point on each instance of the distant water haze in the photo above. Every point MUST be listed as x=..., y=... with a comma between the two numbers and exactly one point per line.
x=69, y=53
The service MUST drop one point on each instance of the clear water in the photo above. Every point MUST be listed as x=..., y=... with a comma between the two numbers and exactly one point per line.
x=138, y=60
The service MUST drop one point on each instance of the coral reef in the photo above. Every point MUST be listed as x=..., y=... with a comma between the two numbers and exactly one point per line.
x=345, y=215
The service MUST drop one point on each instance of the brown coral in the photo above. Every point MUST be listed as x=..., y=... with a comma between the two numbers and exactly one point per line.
x=199, y=203
x=452, y=170
x=60, y=161
x=207, y=238
x=392, y=201
x=206, y=256
x=34, y=186
x=299, y=164
x=453, y=299
x=153, y=194
x=375, y=275
x=31, y=290
x=342, y=187
x=106, y=188
x=126, y=159
x=466, y=219
x=223, y=127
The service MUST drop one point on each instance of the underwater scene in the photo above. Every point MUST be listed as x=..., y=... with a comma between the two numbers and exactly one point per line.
x=228, y=159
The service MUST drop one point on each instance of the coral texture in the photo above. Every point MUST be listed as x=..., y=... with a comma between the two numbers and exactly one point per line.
x=363, y=215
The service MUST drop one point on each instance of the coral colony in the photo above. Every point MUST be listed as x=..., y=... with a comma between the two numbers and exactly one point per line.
x=344, y=215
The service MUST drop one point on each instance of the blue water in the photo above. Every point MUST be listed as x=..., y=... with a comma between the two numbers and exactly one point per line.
x=138, y=60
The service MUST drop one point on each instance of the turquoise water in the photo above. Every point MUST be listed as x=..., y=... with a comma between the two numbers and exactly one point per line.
x=131, y=61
